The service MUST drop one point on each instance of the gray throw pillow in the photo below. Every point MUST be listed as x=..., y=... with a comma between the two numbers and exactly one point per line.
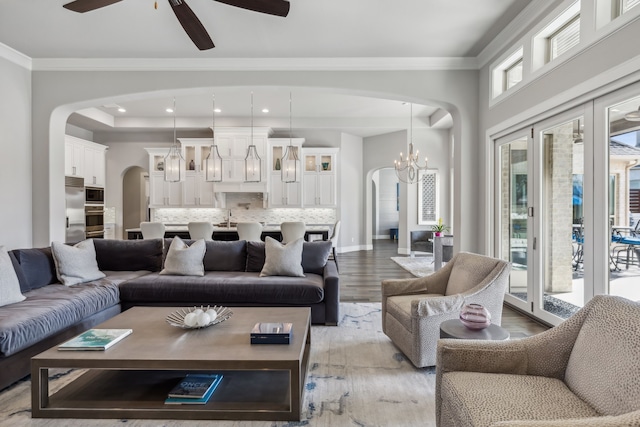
x=184, y=260
x=76, y=264
x=282, y=260
x=9, y=285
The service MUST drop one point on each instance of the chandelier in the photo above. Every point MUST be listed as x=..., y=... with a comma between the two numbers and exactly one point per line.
x=173, y=161
x=213, y=163
x=407, y=168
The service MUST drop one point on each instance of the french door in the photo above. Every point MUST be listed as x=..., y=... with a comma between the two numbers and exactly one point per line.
x=542, y=220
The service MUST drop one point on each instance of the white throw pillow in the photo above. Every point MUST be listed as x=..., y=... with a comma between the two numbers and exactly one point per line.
x=282, y=260
x=9, y=285
x=183, y=260
x=76, y=264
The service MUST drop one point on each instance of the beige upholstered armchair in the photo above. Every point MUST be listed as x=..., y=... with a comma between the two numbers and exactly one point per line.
x=412, y=309
x=583, y=372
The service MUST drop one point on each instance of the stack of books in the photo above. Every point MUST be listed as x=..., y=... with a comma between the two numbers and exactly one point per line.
x=271, y=333
x=194, y=389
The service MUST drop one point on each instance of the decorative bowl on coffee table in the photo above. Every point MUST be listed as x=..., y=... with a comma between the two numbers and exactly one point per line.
x=177, y=318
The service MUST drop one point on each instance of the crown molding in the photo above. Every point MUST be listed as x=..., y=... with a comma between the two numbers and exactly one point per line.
x=254, y=64
x=12, y=55
x=530, y=15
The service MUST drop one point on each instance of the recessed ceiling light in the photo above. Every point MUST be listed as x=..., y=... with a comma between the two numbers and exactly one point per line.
x=265, y=110
x=169, y=110
x=122, y=110
x=217, y=110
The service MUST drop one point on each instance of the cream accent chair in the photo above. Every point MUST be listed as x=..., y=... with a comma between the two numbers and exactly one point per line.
x=200, y=230
x=292, y=231
x=583, y=372
x=412, y=309
x=250, y=231
x=152, y=230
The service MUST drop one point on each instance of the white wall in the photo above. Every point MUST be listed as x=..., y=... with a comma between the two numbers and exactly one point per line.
x=351, y=194
x=15, y=161
x=58, y=93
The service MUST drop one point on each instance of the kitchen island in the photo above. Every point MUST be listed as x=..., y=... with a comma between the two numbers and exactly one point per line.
x=231, y=233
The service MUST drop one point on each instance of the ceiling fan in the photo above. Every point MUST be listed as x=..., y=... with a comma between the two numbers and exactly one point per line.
x=189, y=21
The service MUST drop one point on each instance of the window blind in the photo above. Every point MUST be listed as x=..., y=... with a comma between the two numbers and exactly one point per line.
x=565, y=38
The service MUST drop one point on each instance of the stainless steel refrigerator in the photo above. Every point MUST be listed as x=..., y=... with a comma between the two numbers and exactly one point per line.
x=74, y=193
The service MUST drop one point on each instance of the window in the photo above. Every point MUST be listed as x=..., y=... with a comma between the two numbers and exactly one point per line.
x=513, y=75
x=564, y=39
x=428, y=194
x=626, y=5
x=508, y=72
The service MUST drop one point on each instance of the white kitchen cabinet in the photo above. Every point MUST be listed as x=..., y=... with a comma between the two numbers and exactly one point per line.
x=85, y=159
x=163, y=193
x=319, y=177
x=94, y=166
x=233, y=144
x=197, y=191
x=73, y=157
x=283, y=194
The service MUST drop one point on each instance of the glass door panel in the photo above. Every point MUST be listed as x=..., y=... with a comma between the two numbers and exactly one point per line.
x=624, y=197
x=560, y=290
x=513, y=190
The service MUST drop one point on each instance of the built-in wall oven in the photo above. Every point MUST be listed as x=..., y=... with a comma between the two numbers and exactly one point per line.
x=94, y=220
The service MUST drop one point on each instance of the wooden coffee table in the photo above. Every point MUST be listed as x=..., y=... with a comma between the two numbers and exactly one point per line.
x=132, y=378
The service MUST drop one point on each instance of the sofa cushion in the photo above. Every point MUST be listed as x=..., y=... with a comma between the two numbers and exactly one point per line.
x=223, y=287
x=129, y=255
x=22, y=279
x=255, y=256
x=282, y=259
x=185, y=260
x=221, y=255
x=9, y=284
x=118, y=277
x=76, y=264
x=51, y=309
x=314, y=256
x=37, y=266
x=480, y=399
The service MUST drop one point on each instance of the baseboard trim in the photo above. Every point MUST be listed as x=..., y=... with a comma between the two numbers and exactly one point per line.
x=344, y=249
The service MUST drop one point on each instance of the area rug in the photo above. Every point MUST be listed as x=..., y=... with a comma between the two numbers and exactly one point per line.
x=357, y=377
x=419, y=266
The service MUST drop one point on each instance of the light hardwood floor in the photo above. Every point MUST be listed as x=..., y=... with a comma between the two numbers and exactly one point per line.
x=361, y=273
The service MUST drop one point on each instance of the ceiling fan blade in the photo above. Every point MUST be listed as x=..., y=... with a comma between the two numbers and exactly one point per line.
x=83, y=6
x=191, y=24
x=272, y=7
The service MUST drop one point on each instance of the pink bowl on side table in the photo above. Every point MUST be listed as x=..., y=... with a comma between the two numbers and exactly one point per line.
x=475, y=316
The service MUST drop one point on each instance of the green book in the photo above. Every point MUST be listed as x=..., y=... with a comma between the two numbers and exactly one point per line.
x=95, y=339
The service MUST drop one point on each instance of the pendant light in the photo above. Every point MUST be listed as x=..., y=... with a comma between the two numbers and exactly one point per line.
x=213, y=163
x=290, y=160
x=407, y=169
x=252, y=163
x=173, y=161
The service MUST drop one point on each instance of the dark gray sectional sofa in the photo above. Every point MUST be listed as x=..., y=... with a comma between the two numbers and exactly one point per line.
x=52, y=312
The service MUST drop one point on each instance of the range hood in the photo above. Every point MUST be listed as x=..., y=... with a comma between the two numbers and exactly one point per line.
x=240, y=187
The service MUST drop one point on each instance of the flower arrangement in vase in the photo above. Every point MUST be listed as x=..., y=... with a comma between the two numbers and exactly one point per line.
x=439, y=228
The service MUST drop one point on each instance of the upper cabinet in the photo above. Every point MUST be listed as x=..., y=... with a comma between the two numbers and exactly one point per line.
x=319, y=177
x=85, y=159
x=284, y=194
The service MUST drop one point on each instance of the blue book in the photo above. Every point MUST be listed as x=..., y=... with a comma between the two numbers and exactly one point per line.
x=194, y=389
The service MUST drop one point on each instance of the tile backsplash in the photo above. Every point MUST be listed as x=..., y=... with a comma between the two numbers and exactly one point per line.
x=253, y=212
